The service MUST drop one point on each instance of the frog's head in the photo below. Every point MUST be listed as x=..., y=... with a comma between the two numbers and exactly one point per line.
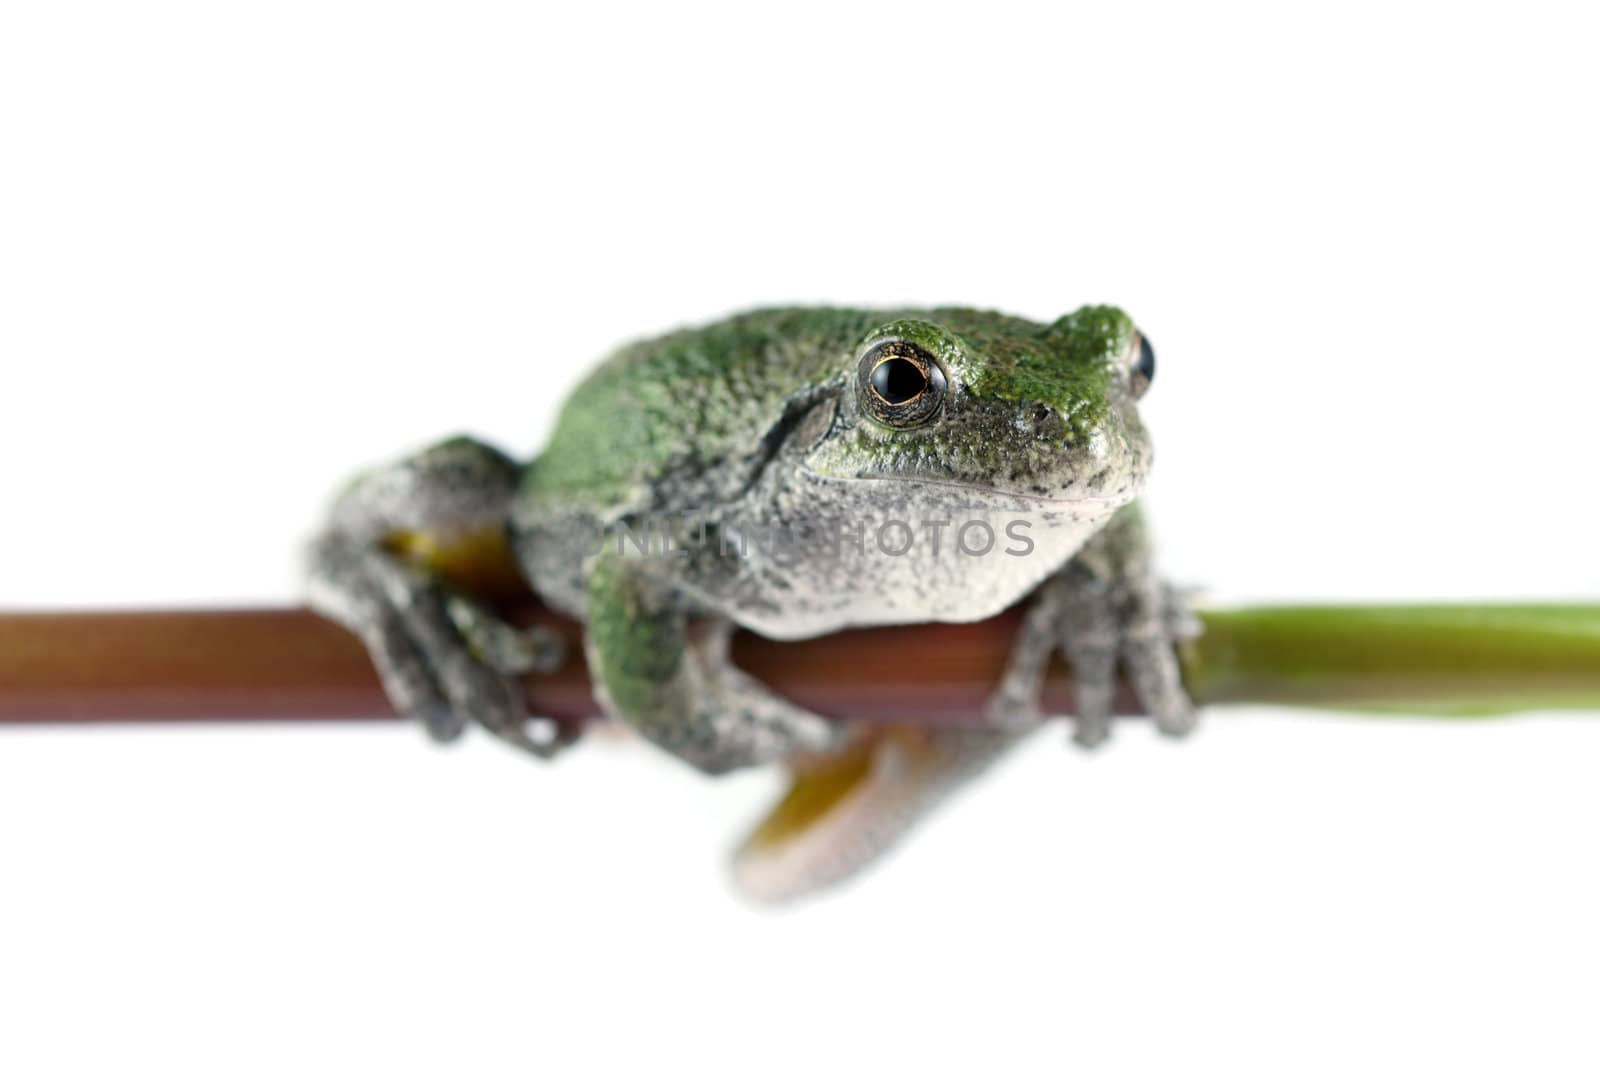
x=1006, y=412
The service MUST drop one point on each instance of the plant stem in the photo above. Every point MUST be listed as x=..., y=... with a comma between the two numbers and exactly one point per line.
x=276, y=664
x=1421, y=659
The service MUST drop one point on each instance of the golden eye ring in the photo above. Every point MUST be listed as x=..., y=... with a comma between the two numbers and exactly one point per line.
x=901, y=384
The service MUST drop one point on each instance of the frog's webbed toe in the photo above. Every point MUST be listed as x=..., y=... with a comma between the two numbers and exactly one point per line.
x=342, y=587
x=1157, y=618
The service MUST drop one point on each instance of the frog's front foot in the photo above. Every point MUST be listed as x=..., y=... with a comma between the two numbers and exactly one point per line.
x=1101, y=614
x=444, y=659
x=669, y=676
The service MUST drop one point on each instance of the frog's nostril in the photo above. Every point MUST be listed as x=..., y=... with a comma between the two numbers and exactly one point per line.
x=1046, y=419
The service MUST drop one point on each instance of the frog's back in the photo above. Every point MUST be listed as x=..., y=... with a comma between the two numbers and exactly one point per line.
x=674, y=420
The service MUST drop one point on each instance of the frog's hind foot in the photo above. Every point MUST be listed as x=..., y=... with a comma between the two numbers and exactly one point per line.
x=847, y=807
x=395, y=565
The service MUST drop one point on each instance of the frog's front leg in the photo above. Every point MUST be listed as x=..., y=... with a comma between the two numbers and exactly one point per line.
x=665, y=672
x=1106, y=608
x=404, y=548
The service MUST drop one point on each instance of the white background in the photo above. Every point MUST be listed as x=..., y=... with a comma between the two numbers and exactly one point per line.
x=246, y=249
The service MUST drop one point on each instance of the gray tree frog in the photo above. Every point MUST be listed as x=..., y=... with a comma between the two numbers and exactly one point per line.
x=795, y=471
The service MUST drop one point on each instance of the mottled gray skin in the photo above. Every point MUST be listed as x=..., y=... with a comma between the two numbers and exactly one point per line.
x=705, y=442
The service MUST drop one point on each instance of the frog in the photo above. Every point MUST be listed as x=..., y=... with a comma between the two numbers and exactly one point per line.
x=793, y=471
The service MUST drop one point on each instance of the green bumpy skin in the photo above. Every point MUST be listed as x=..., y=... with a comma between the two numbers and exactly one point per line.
x=641, y=635
x=674, y=403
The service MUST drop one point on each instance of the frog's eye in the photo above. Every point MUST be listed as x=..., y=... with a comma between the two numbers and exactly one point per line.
x=901, y=384
x=1144, y=366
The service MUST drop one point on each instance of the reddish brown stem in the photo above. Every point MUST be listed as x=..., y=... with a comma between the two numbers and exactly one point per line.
x=275, y=664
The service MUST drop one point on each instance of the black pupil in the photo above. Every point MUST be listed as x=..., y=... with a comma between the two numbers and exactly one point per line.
x=898, y=380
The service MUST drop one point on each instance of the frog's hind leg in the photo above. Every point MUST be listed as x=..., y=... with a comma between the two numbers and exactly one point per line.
x=406, y=555
x=844, y=809
x=667, y=674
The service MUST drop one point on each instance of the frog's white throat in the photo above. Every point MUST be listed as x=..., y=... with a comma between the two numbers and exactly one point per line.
x=913, y=563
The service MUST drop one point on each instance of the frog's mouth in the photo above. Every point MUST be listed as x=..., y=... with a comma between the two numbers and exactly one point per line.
x=956, y=490
x=1012, y=494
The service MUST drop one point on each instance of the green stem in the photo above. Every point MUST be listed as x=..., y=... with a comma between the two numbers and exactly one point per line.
x=1454, y=660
